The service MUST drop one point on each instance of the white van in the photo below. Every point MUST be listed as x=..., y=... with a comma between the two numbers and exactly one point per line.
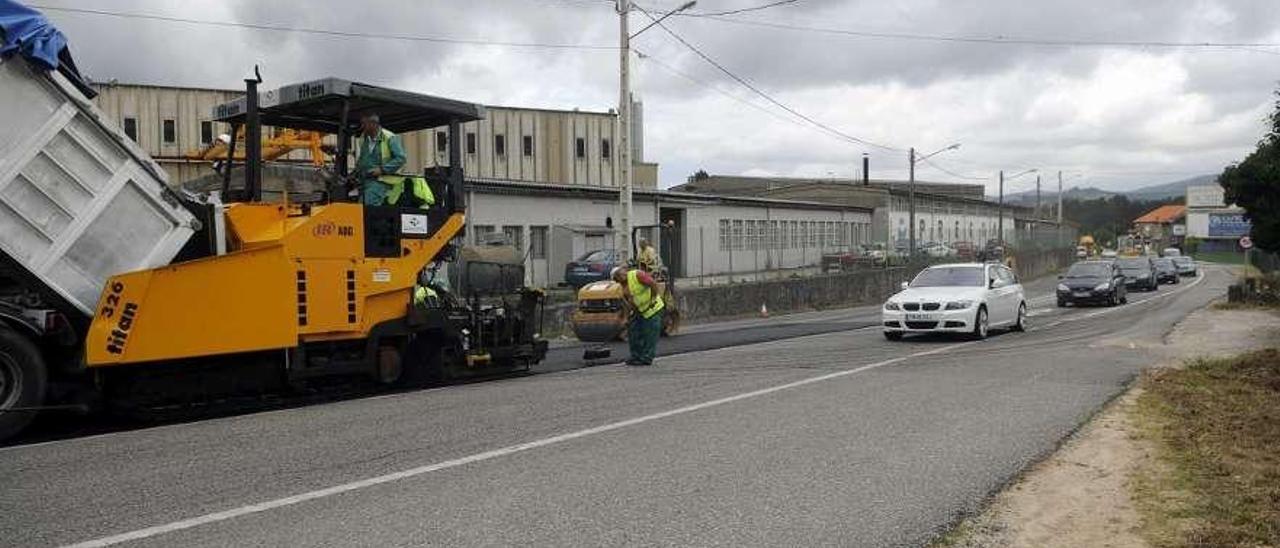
x=1171, y=252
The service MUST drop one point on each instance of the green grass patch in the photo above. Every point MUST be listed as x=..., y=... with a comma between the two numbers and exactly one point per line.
x=1216, y=429
x=1221, y=257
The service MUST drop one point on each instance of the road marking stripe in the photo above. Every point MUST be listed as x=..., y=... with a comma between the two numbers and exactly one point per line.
x=224, y=515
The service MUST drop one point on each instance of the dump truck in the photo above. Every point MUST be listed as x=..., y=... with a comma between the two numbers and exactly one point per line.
x=121, y=292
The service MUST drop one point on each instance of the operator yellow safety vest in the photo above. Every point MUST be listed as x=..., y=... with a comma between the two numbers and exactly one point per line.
x=421, y=294
x=646, y=302
x=419, y=185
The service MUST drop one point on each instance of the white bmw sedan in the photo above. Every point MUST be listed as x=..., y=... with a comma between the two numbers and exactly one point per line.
x=969, y=298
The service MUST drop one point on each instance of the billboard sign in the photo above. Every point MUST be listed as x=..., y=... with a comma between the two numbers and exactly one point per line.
x=1205, y=196
x=1179, y=230
x=1228, y=225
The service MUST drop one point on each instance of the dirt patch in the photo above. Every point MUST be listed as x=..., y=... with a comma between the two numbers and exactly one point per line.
x=1082, y=495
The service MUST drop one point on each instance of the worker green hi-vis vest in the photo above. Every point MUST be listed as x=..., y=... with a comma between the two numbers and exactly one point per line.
x=647, y=303
x=420, y=194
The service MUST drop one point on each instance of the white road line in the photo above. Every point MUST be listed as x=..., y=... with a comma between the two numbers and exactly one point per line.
x=479, y=457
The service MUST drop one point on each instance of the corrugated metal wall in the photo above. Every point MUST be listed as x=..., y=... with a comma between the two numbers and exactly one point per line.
x=553, y=138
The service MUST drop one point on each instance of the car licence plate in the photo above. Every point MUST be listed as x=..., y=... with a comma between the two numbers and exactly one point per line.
x=921, y=317
x=1081, y=293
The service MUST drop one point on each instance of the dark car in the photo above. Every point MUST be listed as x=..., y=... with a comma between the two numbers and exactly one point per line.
x=1092, y=282
x=1186, y=265
x=592, y=266
x=1139, y=273
x=1166, y=271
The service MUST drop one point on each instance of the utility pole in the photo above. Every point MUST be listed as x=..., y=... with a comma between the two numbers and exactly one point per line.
x=624, y=125
x=911, y=204
x=1037, y=197
x=1059, y=207
x=1000, y=223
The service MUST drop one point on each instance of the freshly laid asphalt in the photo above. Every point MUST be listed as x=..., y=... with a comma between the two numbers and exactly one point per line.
x=798, y=430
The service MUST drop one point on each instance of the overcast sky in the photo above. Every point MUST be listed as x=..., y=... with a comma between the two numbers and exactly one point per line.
x=1119, y=116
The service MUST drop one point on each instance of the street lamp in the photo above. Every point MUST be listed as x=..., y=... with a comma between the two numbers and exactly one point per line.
x=911, y=193
x=624, y=112
x=1000, y=224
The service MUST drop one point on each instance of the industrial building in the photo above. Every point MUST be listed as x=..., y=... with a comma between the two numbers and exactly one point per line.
x=945, y=213
x=546, y=180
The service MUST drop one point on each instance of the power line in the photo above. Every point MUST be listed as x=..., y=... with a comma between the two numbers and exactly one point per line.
x=737, y=11
x=952, y=173
x=667, y=67
x=757, y=91
x=327, y=32
x=997, y=39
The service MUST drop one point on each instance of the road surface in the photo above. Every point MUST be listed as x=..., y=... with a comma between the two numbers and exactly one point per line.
x=833, y=438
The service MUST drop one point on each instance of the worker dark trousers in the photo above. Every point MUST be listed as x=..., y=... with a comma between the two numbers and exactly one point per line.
x=642, y=337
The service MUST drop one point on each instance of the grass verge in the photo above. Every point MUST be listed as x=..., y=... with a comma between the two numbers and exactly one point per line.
x=1221, y=257
x=1216, y=429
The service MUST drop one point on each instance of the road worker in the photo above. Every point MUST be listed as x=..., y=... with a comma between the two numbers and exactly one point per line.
x=641, y=292
x=648, y=259
x=379, y=157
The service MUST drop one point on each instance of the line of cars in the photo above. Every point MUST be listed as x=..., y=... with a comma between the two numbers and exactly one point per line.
x=974, y=298
x=1108, y=281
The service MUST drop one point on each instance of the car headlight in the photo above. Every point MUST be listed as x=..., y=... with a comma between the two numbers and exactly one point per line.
x=892, y=306
x=1063, y=287
x=1102, y=286
x=959, y=305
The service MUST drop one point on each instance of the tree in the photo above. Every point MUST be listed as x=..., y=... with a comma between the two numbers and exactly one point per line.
x=1254, y=184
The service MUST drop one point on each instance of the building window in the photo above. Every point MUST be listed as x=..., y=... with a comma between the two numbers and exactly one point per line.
x=725, y=240
x=481, y=233
x=796, y=236
x=537, y=242
x=515, y=235
x=775, y=238
x=206, y=132
x=131, y=128
x=442, y=141
x=580, y=148
x=957, y=236
x=942, y=232
x=784, y=235
x=971, y=230
x=471, y=142
x=737, y=235
x=169, y=132
x=528, y=145
x=605, y=151
x=500, y=145
x=920, y=233
x=751, y=235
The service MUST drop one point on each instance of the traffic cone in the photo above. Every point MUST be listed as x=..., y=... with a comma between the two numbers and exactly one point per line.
x=764, y=311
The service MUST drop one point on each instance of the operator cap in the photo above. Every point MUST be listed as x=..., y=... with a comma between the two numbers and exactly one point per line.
x=616, y=271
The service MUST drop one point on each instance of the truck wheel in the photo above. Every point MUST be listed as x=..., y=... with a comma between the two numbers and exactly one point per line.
x=22, y=381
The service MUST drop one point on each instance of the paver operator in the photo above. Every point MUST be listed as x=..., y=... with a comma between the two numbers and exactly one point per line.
x=641, y=292
x=378, y=161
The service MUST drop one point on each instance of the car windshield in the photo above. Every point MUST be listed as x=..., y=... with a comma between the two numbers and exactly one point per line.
x=1164, y=263
x=1132, y=265
x=599, y=256
x=1089, y=270
x=1182, y=261
x=960, y=276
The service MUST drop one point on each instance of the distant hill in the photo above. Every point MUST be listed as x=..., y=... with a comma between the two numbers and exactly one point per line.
x=1157, y=192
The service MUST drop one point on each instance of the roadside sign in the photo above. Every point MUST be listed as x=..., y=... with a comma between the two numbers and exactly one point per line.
x=1245, y=242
